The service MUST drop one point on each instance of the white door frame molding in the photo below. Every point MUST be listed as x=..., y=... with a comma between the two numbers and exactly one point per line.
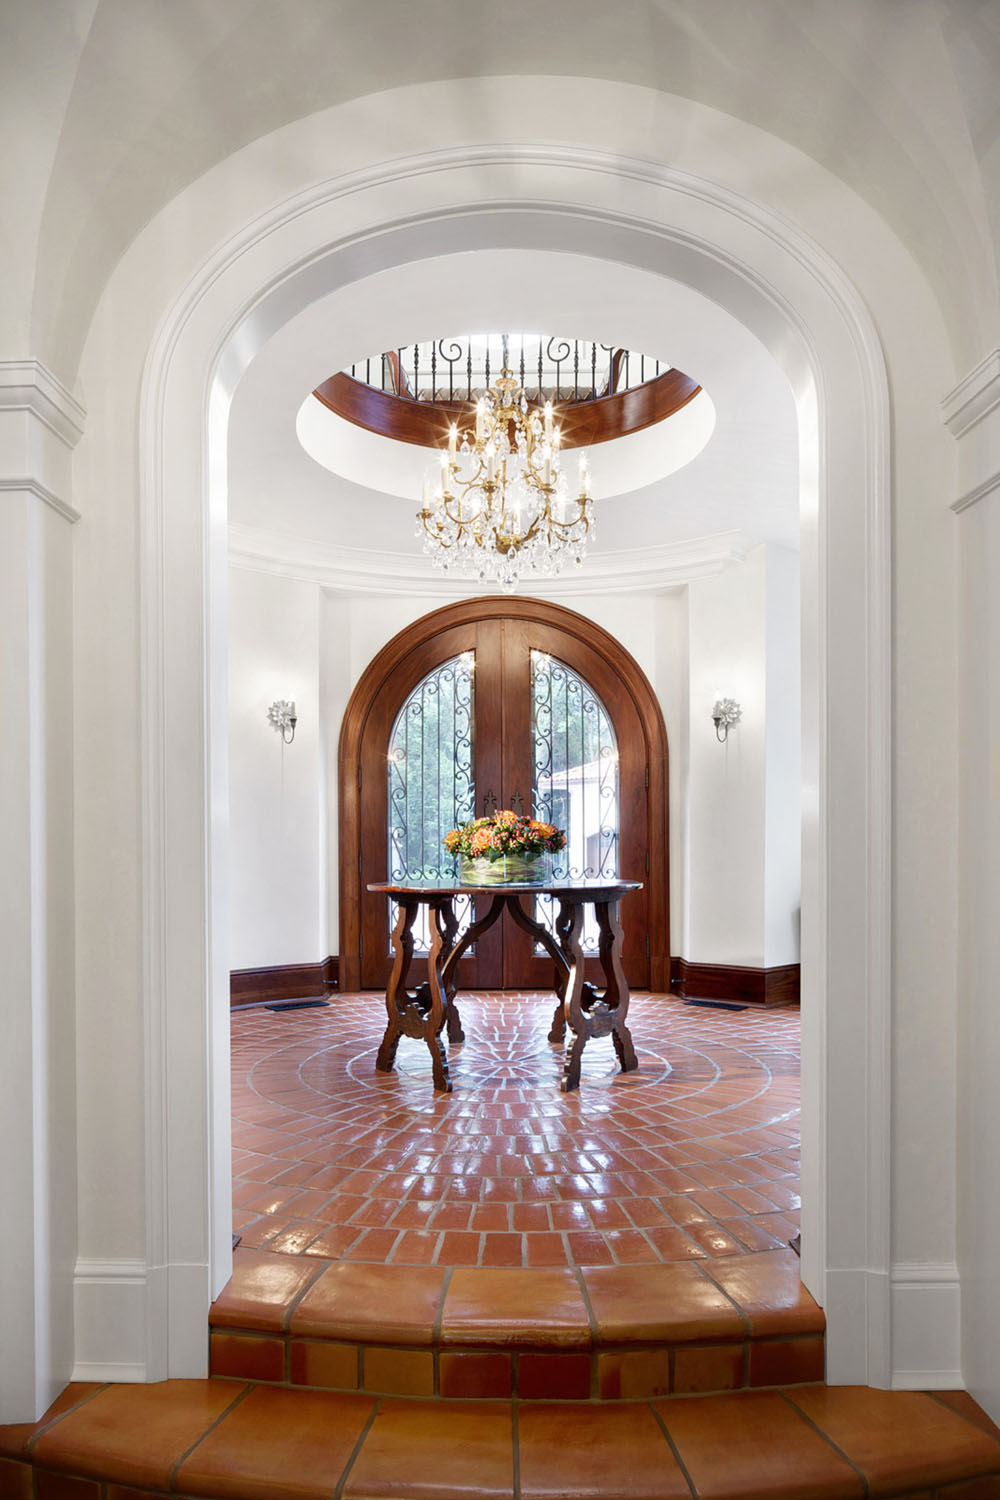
x=767, y=274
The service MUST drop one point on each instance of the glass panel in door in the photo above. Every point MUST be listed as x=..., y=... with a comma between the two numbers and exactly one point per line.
x=574, y=779
x=430, y=785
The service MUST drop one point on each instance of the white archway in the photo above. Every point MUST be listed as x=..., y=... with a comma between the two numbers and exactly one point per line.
x=805, y=311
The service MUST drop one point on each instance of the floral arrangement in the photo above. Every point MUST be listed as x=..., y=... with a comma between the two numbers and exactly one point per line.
x=504, y=833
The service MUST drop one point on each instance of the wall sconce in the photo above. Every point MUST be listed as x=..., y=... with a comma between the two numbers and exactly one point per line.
x=725, y=713
x=282, y=716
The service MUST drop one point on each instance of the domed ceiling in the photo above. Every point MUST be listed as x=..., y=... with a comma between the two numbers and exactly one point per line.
x=314, y=493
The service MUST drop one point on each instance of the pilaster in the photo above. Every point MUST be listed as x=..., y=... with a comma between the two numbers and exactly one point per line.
x=40, y=422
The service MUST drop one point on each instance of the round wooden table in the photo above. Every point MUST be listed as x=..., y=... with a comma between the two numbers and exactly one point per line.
x=424, y=1012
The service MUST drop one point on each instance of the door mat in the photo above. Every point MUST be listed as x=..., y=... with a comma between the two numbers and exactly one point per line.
x=296, y=1004
x=718, y=1004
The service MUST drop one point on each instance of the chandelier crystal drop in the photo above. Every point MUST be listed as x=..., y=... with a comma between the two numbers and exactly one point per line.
x=500, y=508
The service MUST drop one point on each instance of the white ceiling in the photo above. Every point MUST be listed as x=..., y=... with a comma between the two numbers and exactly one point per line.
x=739, y=489
x=118, y=104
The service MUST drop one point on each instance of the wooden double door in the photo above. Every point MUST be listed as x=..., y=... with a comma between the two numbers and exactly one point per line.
x=518, y=705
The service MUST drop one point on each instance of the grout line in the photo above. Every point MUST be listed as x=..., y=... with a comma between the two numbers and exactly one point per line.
x=324, y=1266
x=744, y=1317
x=979, y=1426
x=825, y=1436
x=240, y=1398
x=439, y=1315
x=674, y=1449
x=55, y=1420
x=595, y=1331
x=353, y=1455
x=516, y=1440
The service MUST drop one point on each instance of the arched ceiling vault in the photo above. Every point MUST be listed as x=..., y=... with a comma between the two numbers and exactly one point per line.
x=877, y=93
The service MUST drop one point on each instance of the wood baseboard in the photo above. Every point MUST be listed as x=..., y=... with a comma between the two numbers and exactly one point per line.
x=748, y=986
x=282, y=982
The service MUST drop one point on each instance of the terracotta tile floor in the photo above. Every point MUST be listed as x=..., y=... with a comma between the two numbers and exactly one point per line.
x=693, y=1156
x=218, y=1438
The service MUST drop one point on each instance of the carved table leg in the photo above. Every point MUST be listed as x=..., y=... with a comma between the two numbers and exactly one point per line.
x=449, y=923
x=563, y=925
x=442, y=920
x=539, y=933
x=402, y=943
x=616, y=985
x=569, y=925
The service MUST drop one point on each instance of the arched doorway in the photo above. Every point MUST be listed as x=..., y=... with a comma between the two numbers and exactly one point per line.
x=784, y=288
x=509, y=647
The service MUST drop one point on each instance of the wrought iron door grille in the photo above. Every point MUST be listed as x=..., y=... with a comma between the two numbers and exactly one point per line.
x=429, y=781
x=574, y=779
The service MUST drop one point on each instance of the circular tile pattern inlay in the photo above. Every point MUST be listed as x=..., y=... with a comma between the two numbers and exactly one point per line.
x=693, y=1155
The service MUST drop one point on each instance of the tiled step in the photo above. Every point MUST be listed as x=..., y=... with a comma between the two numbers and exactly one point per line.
x=604, y=1333
x=219, y=1438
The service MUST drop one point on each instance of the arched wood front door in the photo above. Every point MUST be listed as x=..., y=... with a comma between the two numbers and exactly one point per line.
x=546, y=713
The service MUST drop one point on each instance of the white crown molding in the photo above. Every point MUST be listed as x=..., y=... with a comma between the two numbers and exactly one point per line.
x=364, y=570
x=43, y=493
x=27, y=385
x=974, y=397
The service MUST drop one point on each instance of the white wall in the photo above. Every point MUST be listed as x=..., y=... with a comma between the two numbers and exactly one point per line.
x=979, y=929
x=783, y=761
x=277, y=794
x=727, y=618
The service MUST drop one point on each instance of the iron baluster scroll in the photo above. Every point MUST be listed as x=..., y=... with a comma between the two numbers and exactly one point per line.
x=574, y=780
x=549, y=368
x=429, y=781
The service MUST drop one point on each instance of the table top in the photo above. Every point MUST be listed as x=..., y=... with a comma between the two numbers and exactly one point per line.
x=566, y=890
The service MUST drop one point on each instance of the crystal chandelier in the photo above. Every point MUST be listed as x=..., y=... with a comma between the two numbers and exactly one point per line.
x=501, y=508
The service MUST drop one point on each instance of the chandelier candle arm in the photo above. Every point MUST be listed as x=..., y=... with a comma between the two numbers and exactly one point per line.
x=503, y=508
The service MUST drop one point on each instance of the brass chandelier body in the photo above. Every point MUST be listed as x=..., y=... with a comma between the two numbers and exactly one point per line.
x=501, y=509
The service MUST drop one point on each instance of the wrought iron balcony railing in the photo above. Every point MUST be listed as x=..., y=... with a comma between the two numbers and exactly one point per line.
x=445, y=371
x=412, y=393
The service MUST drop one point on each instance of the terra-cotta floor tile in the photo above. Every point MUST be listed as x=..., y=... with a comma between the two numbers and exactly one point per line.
x=753, y=1446
x=136, y=1434
x=515, y=1309
x=767, y=1288
x=278, y=1444
x=14, y=1438
x=432, y=1451
x=898, y=1439
x=579, y=1452
x=262, y=1289
x=376, y=1303
x=656, y=1303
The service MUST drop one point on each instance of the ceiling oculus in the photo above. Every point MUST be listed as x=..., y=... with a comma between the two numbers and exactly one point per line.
x=499, y=506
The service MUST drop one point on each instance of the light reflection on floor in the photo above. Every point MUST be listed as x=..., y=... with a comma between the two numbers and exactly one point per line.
x=694, y=1155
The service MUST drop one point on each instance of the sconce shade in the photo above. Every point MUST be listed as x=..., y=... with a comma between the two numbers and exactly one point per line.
x=282, y=716
x=725, y=713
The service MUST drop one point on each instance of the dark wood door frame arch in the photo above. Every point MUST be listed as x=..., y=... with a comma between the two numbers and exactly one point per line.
x=363, y=700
